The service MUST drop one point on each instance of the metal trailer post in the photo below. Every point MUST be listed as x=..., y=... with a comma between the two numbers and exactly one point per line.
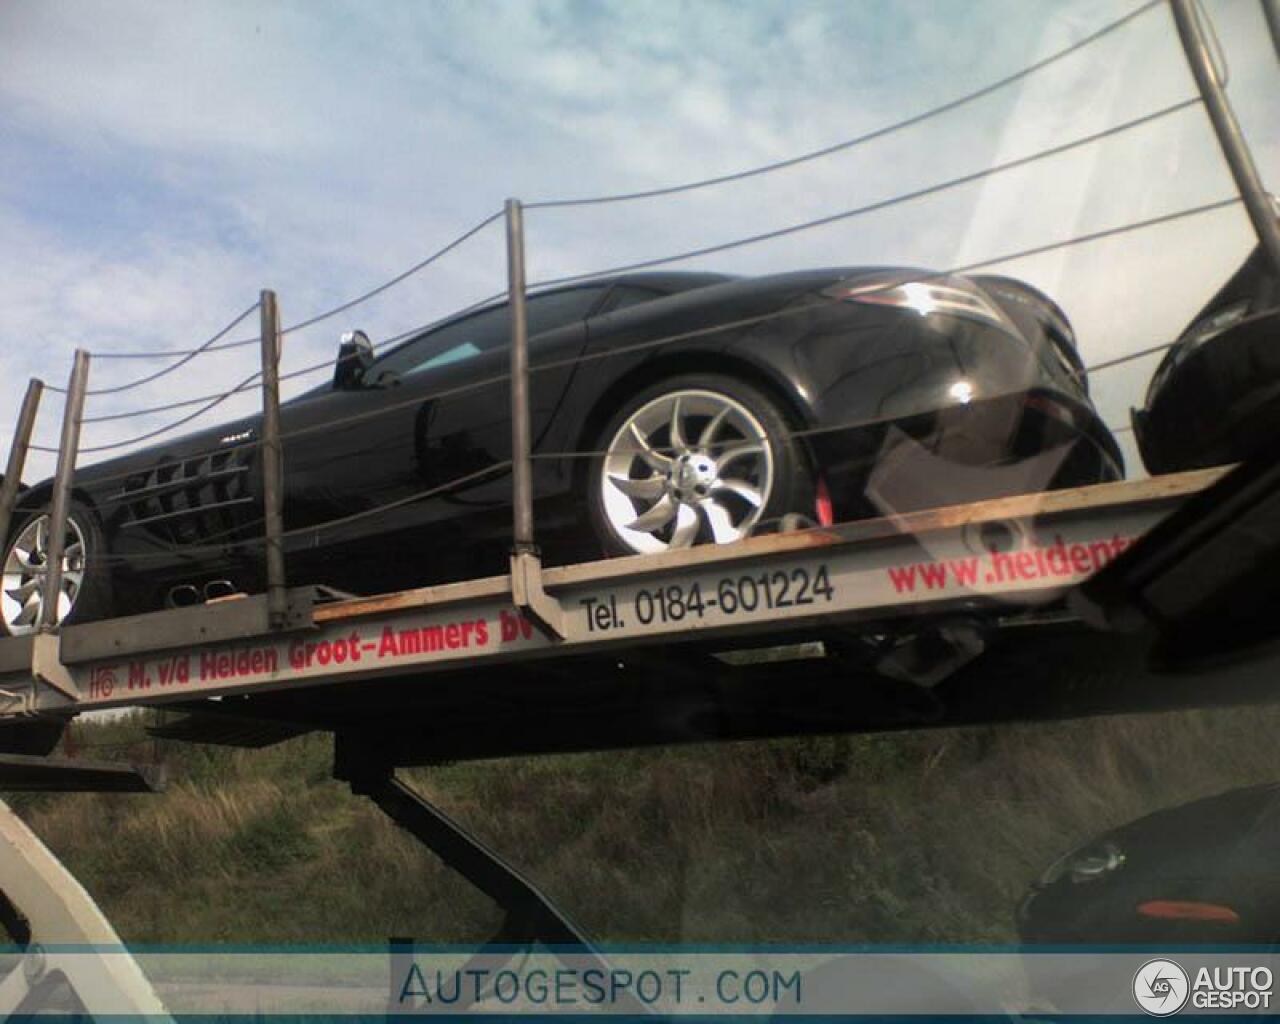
x=18, y=454
x=61, y=506
x=1234, y=148
x=521, y=426
x=272, y=461
x=526, y=563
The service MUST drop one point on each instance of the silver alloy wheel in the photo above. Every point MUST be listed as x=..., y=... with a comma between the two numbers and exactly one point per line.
x=688, y=466
x=25, y=569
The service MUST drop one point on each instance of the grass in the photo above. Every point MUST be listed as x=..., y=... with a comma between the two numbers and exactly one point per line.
x=912, y=837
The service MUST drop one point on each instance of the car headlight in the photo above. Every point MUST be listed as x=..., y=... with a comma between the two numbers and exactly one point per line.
x=1087, y=864
x=954, y=296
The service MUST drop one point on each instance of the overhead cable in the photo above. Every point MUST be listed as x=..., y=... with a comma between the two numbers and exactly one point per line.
x=1129, y=357
x=857, y=140
x=187, y=356
x=211, y=345
x=181, y=421
x=882, y=204
x=379, y=289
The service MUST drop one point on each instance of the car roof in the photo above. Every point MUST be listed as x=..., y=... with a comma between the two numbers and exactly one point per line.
x=667, y=280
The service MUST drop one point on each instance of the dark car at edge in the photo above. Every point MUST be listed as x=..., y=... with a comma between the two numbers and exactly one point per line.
x=1214, y=399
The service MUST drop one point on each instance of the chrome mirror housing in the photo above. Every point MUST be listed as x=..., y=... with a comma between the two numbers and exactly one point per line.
x=355, y=356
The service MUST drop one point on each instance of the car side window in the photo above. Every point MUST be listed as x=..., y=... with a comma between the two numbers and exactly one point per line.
x=449, y=344
x=489, y=329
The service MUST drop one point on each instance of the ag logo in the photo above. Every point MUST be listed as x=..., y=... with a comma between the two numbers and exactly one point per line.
x=1161, y=987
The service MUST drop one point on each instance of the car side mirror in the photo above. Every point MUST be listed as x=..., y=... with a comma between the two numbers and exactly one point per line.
x=355, y=356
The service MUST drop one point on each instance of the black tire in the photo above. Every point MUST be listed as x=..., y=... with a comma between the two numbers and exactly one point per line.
x=93, y=600
x=792, y=486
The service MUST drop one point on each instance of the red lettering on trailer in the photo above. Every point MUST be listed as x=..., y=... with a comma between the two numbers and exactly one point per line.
x=399, y=643
x=102, y=682
x=138, y=678
x=934, y=575
x=1041, y=562
x=174, y=670
x=514, y=626
x=305, y=653
x=248, y=661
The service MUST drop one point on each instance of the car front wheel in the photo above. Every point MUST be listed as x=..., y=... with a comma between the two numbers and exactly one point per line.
x=696, y=459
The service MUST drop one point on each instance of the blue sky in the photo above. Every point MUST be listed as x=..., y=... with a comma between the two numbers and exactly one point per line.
x=160, y=162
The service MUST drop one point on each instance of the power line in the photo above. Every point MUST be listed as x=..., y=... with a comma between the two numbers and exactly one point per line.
x=187, y=356
x=248, y=383
x=211, y=345
x=169, y=406
x=688, y=186
x=762, y=318
x=115, y=445
x=876, y=206
x=1130, y=357
x=379, y=289
x=858, y=140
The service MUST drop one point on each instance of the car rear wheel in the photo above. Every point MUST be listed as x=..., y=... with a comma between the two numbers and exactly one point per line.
x=695, y=459
x=84, y=593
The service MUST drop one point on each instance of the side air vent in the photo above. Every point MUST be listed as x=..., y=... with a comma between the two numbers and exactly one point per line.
x=191, y=501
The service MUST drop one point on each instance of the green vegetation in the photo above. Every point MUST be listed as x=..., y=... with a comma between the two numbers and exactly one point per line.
x=916, y=837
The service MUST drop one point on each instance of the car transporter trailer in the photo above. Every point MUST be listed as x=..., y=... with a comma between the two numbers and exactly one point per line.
x=945, y=617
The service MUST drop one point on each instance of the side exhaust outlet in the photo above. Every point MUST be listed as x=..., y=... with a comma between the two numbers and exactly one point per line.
x=216, y=589
x=182, y=596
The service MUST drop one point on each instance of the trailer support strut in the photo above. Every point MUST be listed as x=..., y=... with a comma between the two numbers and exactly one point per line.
x=530, y=915
x=522, y=901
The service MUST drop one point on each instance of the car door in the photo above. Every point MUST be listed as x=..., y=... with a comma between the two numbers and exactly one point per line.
x=431, y=412
x=349, y=451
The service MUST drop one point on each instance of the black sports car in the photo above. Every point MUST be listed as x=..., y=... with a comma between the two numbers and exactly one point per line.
x=1201, y=873
x=1215, y=397
x=716, y=404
